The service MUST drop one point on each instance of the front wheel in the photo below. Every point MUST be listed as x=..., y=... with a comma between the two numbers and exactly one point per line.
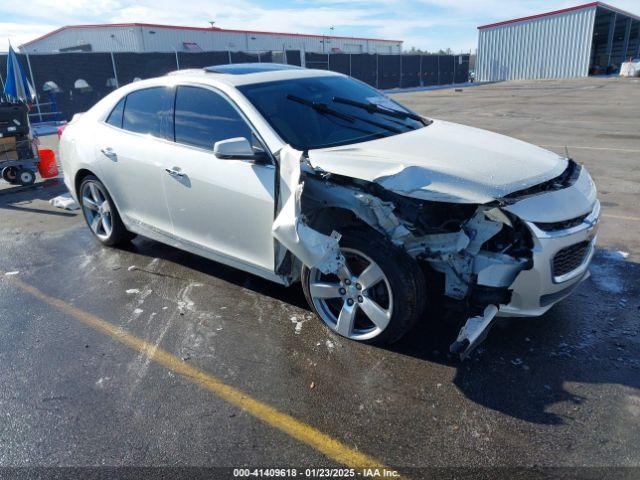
x=378, y=295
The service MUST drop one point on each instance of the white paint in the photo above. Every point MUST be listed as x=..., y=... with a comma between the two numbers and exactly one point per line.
x=133, y=291
x=444, y=162
x=15, y=272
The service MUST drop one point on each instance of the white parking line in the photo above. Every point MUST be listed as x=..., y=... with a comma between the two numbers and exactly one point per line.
x=627, y=150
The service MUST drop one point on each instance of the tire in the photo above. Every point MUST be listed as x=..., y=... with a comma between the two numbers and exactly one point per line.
x=10, y=174
x=101, y=214
x=25, y=177
x=399, y=296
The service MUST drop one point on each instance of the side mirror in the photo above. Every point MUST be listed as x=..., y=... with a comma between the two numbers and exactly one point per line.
x=238, y=147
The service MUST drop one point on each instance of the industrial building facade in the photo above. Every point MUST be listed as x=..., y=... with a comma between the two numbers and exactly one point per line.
x=141, y=37
x=574, y=42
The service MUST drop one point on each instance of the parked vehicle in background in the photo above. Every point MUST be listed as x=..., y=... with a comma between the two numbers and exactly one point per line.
x=308, y=175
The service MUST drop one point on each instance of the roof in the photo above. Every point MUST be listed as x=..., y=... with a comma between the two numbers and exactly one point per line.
x=556, y=12
x=224, y=73
x=246, y=68
x=210, y=29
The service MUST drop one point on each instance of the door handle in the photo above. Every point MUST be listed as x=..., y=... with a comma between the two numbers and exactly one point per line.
x=109, y=152
x=174, y=172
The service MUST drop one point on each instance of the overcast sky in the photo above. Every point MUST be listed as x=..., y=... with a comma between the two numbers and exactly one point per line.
x=426, y=24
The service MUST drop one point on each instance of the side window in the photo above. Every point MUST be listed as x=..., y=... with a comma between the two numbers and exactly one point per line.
x=203, y=117
x=147, y=110
x=115, y=117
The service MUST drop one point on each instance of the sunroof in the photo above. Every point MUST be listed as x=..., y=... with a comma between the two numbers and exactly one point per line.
x=245, y=68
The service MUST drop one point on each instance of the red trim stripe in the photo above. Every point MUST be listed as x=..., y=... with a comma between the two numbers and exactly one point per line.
x=210, y=29
x=556, y=12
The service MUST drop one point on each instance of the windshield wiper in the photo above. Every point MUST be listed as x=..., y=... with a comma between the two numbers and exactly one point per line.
x=322, y=108
x=325, y=109
x=374, y=108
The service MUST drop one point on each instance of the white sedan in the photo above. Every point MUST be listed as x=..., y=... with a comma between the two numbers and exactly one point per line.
x=294, y=174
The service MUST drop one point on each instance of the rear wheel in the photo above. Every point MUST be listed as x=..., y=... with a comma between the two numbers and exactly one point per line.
x=378, y=295
x=101, y=214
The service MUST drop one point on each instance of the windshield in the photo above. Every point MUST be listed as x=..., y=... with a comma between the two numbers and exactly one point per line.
x=311, y=113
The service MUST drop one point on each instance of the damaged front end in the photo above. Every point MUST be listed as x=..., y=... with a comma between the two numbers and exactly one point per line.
x=477, y=250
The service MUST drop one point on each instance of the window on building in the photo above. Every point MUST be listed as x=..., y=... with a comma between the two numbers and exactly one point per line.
x=203, y=117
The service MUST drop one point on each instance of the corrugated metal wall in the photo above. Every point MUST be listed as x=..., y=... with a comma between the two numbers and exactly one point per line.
x=554, y=46
x=154, y=39
x=116, y=39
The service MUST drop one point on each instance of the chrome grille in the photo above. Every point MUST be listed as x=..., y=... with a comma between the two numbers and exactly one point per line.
x=564, y=225
x=570, y=258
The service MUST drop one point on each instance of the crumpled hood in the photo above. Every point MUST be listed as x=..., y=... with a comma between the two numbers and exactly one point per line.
x=444, y=162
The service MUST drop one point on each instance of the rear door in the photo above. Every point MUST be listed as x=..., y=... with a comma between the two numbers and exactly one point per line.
x=130, y=146
x=222, y=205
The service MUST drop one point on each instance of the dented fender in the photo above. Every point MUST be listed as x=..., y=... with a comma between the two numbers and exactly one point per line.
x=311, y=247
x=459, y=254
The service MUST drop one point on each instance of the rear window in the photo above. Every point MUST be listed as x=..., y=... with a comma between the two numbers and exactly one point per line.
x=115, y=117
x=146, y=111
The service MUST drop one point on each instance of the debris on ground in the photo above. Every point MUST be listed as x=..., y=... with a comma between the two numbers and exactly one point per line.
x=65, y=202
x=298, y=327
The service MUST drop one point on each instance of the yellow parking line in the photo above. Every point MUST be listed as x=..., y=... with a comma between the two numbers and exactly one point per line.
x=302, y=432
x=621, y=217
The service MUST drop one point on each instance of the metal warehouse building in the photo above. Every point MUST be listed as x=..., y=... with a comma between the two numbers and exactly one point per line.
x=574, y=42
x=142, y=37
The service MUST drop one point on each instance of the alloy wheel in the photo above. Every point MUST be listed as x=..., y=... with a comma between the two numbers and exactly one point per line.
x=357, y=303
x=97, y=210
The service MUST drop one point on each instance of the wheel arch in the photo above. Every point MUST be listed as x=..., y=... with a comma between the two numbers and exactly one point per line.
x=332, y=217
x=81, y=174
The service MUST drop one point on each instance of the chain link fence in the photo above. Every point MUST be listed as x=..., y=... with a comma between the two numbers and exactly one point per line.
x=69, y=83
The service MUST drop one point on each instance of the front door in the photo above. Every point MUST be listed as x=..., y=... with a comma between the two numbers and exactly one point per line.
x=222, y=205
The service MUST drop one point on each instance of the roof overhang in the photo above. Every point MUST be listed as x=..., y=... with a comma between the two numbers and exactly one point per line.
x=557, y=12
